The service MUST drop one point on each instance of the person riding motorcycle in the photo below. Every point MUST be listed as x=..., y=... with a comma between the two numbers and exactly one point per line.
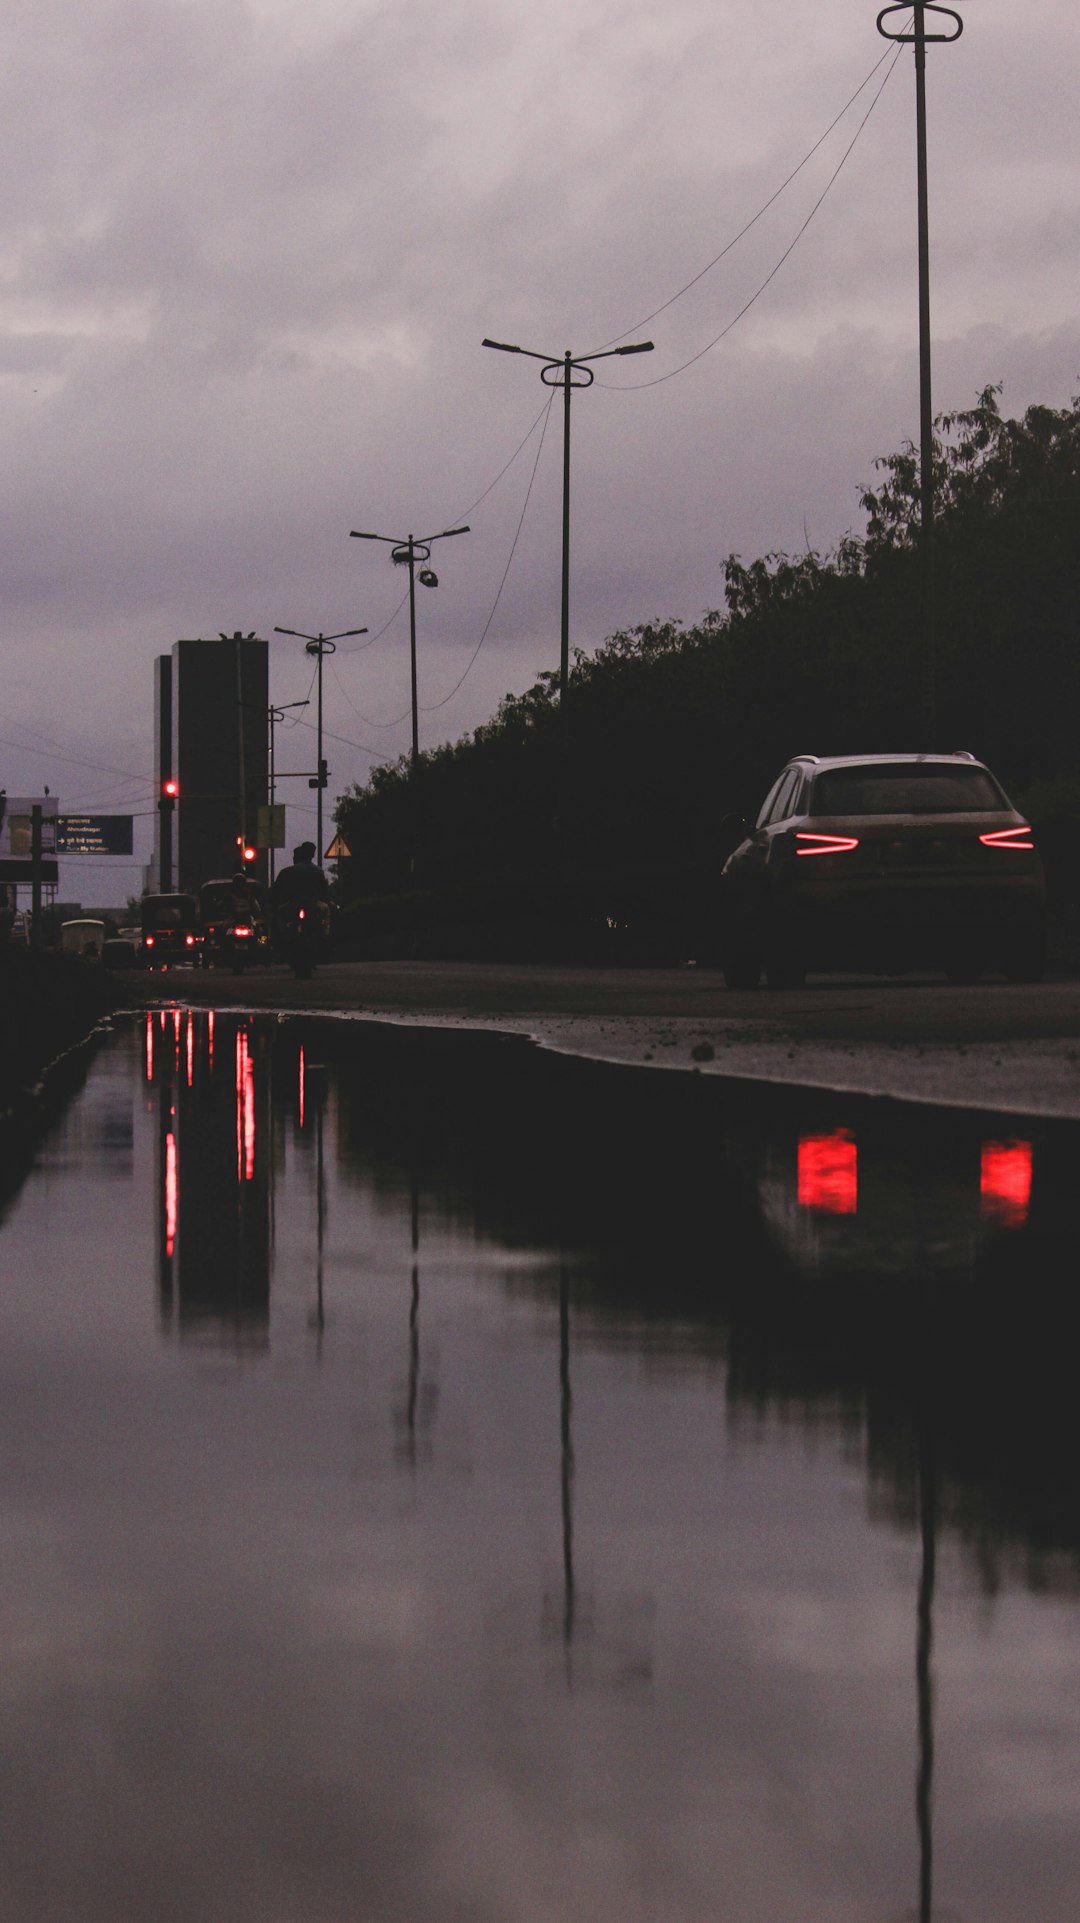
x=303, y=882
x=300, y=901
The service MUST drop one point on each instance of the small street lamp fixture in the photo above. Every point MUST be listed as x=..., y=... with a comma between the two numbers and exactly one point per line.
x=567, y=371
x=319, y=645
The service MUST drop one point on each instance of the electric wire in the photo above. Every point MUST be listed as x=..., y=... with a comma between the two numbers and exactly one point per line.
x=659, y=379
x=436, y=705
x=468, y=512
x=762, y=210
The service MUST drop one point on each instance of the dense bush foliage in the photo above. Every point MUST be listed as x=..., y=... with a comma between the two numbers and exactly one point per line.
x=671, y=728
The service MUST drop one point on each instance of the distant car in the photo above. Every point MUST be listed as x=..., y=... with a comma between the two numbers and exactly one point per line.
x=883, y=862
x=169, y=928
x=119, y=951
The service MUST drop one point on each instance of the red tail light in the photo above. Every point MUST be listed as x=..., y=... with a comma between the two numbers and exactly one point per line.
x=240, y=929
x=1008, y=838
x=300, y=917
x=149, y=941
x=825, y=844
x=189, y=941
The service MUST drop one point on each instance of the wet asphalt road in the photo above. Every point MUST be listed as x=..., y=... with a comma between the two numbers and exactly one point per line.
x=848, y=1009
x=993, y=1046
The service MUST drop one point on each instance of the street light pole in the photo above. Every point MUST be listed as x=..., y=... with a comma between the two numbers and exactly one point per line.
x=919, y=38
x=274, y=715
x=319, y=645
x=559, y=370
x=406, y=551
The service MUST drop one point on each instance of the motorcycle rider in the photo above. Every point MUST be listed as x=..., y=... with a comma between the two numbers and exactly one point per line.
x=301, y=889
x=303, y=883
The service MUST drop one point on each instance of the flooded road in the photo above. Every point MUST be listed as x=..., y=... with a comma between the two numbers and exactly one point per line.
x=445, y=1480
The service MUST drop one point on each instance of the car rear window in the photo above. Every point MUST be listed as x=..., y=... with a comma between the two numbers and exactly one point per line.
x=905, y=789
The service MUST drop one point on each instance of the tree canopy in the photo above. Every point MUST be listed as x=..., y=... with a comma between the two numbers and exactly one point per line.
x=670, y=727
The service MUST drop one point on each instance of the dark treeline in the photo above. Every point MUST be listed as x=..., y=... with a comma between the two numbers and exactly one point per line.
x=672, y=728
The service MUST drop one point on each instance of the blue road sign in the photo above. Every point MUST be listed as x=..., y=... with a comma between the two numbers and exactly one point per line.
x=94, y=835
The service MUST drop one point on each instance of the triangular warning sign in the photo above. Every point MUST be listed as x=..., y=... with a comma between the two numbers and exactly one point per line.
x=338, y=850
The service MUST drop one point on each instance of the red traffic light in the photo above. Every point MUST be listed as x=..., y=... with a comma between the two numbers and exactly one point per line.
x=249, y=854
x=171, y=789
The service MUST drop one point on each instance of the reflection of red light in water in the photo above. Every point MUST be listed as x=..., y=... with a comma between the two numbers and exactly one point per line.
x=301, y=1087
x=149, y=1048
x=828, y=1173
x=210, y=1037
x=190, y=1051
x=176, y=1026
x=245, y=1110
x=1005, y=1182
x=171, y=1191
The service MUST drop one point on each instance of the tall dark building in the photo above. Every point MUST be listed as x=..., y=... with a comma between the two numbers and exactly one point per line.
x=210, y=708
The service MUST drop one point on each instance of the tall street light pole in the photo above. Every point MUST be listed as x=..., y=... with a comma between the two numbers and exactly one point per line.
x=559, y=370
x=919, y=38
x=407, y=551
x=320, y=645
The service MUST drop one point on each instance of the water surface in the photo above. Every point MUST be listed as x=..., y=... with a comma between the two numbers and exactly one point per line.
x=441, y=1481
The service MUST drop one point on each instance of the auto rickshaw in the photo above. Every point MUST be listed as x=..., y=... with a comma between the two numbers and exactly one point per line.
x=232, y=924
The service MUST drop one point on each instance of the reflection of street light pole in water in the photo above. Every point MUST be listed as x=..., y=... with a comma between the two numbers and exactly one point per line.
x=566, y=1460
x=924, y=1678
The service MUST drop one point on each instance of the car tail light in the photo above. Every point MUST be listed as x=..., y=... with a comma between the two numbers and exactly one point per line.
x=824, y=844
x=189, y=941
x=1008, y=838
x=149, y=941
x=300, y=917
x=240, y=929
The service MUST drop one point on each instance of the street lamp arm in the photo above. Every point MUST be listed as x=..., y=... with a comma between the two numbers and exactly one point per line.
x=444, y=536
x=505, y=348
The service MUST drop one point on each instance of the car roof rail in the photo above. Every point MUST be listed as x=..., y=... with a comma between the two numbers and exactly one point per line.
x=962, y=754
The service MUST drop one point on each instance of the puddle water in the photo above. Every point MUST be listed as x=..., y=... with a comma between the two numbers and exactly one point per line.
x=445, y=1481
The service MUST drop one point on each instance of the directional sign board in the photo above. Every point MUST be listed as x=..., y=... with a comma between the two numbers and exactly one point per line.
x=270, y=832
x=93, y=835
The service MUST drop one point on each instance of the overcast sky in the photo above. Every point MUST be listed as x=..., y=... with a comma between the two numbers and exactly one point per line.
x=250, y=250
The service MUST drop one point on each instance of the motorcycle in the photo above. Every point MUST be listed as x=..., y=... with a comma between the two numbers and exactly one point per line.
x=301, y=935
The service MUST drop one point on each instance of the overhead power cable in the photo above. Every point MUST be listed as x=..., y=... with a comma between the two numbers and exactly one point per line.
x=658, y=381
x=753, y=221
x=436, y=705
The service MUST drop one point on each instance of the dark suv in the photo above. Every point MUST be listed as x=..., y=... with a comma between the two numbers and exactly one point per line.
x=883, y=862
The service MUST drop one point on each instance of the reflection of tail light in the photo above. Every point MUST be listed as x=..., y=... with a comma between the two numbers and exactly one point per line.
x=1005, y=1182
x=828, y=1173
x=172, y=1189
